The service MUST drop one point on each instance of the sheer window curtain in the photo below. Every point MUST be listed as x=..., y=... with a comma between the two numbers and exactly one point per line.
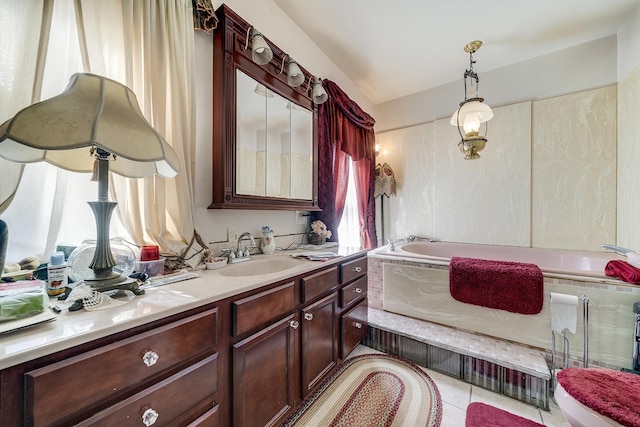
x=147, y=45
x=22, y=53
x=48, y=202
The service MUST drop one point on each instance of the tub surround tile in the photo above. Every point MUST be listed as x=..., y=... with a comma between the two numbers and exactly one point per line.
x=406, y=151
x=485, y=200
x=628, y=232
x=547, y=177
x=574, y=170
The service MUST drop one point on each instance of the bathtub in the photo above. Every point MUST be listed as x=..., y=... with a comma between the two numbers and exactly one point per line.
x=550, y=261
x=413, y=280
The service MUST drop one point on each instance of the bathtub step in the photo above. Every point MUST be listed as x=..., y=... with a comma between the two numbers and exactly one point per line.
x=500, y=366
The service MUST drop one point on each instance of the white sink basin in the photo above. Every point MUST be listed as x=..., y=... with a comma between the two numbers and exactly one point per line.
x=256, y=266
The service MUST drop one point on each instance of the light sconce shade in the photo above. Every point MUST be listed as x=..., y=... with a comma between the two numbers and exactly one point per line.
x=295, y=77
x=318, y=93
x=261, y=53
x=94, y=121
x=472, y=112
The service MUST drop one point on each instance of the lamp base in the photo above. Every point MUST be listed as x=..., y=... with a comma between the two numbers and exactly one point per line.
x=115, y=282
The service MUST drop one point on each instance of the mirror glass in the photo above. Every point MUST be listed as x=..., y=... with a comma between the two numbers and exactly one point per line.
x=274, y=143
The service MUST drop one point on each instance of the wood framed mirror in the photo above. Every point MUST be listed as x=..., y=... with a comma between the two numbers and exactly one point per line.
x=265, y=145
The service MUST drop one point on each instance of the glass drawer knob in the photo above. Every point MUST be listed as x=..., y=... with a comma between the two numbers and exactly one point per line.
x=308, y=316
x=357, y=290
x=357, y=269
x=358, y=325
x=150, y=357
x=294, y=324
x=149, y=417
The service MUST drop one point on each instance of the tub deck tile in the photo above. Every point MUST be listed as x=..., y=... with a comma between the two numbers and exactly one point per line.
x=510, y=355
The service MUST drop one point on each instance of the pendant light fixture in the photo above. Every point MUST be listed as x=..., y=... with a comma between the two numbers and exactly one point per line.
x=472, y=112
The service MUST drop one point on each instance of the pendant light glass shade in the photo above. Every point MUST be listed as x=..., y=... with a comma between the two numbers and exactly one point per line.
x=472, y=110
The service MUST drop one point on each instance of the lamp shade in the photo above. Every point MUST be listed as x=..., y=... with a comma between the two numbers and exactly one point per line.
x=93, y=111
x=261, y=53
x=473, y=107
x=385, y=181
x=295, y=77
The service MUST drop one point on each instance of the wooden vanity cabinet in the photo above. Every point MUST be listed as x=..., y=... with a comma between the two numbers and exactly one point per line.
x=353, y=304
x=284, y=343
x=167, y=371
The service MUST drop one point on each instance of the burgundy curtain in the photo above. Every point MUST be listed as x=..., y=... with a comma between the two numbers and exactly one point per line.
x=345, y=131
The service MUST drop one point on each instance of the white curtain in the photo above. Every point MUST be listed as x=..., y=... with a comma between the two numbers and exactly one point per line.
x=148, y=46
x=22, y=51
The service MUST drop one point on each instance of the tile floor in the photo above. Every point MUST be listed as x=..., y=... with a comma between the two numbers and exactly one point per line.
x=457, y=395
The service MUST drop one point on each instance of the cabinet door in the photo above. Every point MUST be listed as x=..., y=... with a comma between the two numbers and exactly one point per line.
x=354, y=327
x=265, y=384
x=319, y=343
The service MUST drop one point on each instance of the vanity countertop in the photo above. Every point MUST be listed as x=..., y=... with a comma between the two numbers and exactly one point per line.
x=73, y=328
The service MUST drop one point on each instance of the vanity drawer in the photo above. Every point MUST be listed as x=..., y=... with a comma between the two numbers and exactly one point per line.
x=116, y=368
x=251, y=312
x=353, y=291
x=354, y=327
x=353, y=269
x=319, y=283
x=165, y=402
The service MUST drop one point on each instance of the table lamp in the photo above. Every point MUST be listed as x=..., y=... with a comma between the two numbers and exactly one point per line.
x=95, y=125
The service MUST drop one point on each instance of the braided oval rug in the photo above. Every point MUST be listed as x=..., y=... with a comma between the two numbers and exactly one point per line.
x=372, y=390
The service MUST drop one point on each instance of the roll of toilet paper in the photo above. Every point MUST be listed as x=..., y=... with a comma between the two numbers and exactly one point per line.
x=564, y=312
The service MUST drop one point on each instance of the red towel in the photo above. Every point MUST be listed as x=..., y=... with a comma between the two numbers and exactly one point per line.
x=623, y=271
x=511, y=286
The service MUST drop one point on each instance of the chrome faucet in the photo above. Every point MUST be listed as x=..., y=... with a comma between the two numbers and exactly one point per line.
x=413, y=238
x=246, y=253
x=390, y=245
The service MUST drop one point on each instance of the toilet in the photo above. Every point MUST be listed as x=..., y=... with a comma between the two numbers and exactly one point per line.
x=593, y=397
x=577, y=414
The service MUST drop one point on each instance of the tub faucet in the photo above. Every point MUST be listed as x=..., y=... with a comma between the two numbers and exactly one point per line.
x=413, y=238
x=390, y=245
x=616, y=249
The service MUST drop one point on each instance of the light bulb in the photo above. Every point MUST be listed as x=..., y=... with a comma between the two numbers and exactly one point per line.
x=471, y=124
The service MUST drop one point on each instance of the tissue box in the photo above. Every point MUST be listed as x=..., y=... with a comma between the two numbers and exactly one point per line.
x=152, y=268
x=22, y=299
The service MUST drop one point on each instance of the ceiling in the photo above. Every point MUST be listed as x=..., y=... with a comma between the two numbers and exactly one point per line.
x=395, y=49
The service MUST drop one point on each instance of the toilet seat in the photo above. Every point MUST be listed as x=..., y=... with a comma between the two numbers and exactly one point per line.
x=577, y=414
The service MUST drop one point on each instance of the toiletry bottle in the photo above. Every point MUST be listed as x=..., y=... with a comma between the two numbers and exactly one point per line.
x=57, y=274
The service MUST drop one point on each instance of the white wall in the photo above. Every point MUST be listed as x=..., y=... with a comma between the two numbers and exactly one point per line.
x=628, y=51
x=587, y=66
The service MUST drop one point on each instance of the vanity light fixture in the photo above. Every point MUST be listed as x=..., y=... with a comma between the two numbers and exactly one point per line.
x=95, y=122
x=261, y=53
x=472, y=112
x=295, y=77
x=317, y=91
